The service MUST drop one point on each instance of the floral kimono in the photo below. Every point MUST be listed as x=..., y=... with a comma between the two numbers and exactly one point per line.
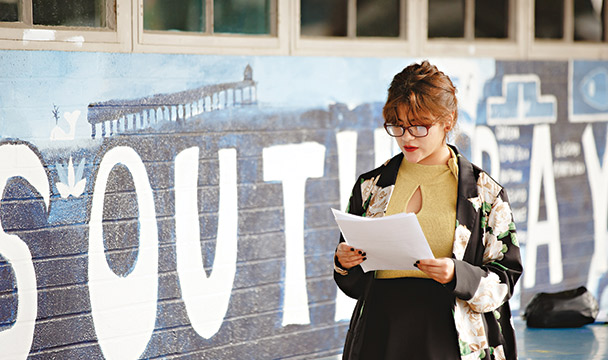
x=485, y=252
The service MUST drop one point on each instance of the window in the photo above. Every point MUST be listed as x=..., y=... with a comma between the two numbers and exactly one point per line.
x=474, y=28
x=590, y=20
x=64, y=25
x=446, y=19
x=407, y=27
x=378, y=18
x=492, y=19
x=469, y=19
x=323, y=17
x=549, y=19
x=212, y=26
x=9, y=10
x=76, y=13
x=569, y=28
x=500, y=29
x=354, y=27
x=571, y=20
x=350, y=18
x=176, y=15
x=249, y=17
x=344, y=18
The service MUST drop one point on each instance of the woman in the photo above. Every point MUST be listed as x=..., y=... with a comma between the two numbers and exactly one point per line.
x=455, y=306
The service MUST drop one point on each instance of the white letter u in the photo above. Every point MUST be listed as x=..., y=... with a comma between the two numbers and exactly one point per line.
x=206, y=298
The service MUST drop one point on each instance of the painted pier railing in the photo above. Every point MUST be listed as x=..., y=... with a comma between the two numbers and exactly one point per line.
x=120, y=116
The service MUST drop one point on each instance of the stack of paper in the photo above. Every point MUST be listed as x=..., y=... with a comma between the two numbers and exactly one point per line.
x=393, y=242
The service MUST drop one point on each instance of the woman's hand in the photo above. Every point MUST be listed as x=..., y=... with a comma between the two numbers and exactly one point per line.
x=349, y=256
x=440, y=270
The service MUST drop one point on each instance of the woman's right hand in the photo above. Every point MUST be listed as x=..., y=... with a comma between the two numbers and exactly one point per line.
x=349, y=256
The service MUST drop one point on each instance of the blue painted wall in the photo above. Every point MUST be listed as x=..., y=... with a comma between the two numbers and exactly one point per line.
x=151, y=199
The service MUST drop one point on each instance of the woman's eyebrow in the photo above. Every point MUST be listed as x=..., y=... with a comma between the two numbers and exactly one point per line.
x=406, y=121
x=412, y=121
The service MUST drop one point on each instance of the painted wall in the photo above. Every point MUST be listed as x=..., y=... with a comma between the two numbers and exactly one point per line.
x=178, y=206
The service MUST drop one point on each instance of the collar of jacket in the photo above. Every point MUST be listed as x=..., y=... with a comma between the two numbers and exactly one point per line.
x=467, y=186
x=466, y=214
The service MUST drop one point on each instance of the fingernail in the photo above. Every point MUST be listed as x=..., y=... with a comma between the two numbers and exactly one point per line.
x=352, y=249
x=364, y=258
x=416, y=264
x=360, y=252
x=364, y=254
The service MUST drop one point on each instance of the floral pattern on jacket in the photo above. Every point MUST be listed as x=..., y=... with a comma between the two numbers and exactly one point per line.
x=485, y=251
x=376, y=197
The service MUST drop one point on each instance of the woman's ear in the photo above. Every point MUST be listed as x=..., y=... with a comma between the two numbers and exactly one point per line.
x=449, y=124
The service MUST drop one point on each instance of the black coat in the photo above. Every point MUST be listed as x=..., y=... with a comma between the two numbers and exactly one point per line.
x=485, y=252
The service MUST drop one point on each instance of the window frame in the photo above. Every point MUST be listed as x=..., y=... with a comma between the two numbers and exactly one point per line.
x=566, y=48
x=510, y=48
x=351, y=45
x=23, y=36
x=413, y=41
x=215, y=43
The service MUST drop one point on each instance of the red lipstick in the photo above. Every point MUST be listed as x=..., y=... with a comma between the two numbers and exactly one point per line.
x=410, y=148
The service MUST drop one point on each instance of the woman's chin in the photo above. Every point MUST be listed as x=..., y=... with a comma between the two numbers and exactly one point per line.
x=411, y=157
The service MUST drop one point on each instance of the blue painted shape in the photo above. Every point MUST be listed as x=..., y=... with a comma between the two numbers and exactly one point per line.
x=589, y=84
x=600, y=134
x=594, y=88
x=522, y=103
x=63, y=171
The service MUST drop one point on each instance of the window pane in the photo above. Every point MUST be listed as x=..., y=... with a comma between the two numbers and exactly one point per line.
x=492, y=19
x=241, y=16
x=446, y=18
x=323, y=17
x=174, y=15
x=88, y=13
x=378, y=18
x=9, y=10
x=588, y=24
x=549, y=19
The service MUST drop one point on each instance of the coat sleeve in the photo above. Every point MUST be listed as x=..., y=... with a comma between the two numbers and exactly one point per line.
x=352, y=284
x=488, y=285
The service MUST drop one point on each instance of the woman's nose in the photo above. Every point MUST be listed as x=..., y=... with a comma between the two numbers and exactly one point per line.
x=406, y=135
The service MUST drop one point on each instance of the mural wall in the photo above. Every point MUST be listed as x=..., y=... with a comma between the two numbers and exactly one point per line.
x=178, y=206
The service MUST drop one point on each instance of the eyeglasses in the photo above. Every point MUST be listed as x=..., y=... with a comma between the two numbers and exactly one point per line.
x=414, y=130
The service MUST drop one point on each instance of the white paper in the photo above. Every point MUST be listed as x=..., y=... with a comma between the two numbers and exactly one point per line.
x=392, y=242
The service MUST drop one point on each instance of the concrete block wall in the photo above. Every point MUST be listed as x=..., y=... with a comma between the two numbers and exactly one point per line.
x=178, y=206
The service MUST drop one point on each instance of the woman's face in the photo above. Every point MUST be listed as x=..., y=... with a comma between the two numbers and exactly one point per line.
x=428, y=150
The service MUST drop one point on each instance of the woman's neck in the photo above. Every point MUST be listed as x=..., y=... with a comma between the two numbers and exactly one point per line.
x=439, y=157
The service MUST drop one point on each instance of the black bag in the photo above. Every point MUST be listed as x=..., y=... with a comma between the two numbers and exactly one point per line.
x=570, y=308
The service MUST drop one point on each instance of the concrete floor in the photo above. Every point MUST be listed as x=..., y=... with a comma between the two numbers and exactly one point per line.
x=586, y=343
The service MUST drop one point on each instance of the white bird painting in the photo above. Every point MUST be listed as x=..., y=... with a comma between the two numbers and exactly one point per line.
x=59, y=134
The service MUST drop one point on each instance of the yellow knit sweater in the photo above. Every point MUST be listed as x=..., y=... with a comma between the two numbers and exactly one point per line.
x=437, y=216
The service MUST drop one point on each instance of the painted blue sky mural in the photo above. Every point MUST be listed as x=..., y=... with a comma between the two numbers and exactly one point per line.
x=35, y=83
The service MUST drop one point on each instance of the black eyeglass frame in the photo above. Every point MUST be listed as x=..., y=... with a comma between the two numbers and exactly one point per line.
x=409, y=129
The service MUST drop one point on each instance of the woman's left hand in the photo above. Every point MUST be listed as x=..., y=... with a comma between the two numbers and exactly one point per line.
x=440, y=270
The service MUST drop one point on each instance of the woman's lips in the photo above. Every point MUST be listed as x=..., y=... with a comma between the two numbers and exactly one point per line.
x=410, y=148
